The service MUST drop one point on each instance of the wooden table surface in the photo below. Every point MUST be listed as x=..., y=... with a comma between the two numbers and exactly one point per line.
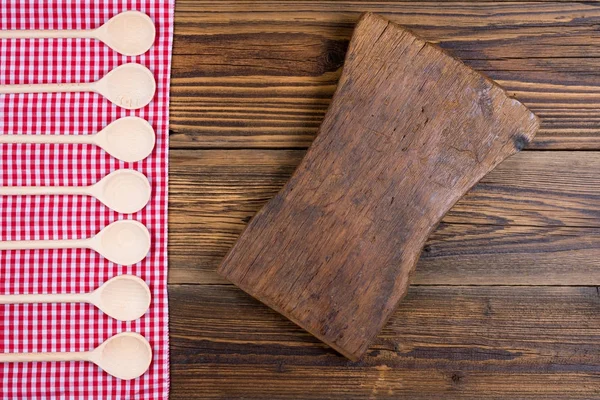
x=504, y=303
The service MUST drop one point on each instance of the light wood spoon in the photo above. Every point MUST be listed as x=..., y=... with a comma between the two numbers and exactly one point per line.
x=125, y=356
x=130, y=33
x=124, y=242
x=125, y=191
x=130, y=86
x=128, y=139
x=124, y=297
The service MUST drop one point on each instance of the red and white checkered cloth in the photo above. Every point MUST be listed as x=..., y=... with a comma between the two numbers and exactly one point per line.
x=75, y=327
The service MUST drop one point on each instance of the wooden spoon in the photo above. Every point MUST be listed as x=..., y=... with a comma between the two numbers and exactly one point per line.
x=128, y=139
x=124, y=297
x=130, y=33
x=130, y=86
x=125, y=356
x=125, y=191
x=124, y=242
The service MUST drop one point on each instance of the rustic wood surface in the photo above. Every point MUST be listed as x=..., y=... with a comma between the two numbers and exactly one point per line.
x=409, y=131
x=505, y=300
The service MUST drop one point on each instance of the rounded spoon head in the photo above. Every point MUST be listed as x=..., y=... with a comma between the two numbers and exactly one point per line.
x=125, y=191
x=128, y=139
x=124, y=242
x=130, y=33
x=130, y=86
x=125, y=356
x=124, y=297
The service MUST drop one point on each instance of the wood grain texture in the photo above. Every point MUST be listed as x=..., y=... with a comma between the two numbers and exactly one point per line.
x=409, y=131
x=535, y=218
x=443, y=342
x=250, y=75
x=256, y=75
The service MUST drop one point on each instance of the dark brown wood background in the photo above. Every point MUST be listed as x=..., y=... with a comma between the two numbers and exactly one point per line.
x=505, y=302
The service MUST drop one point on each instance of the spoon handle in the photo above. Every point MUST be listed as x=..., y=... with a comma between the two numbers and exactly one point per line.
x=43, y=190
x=43, y=298
x=43, y=244
x=45, y=34
x=47, y=88
x=27, y=357
x=46, y=139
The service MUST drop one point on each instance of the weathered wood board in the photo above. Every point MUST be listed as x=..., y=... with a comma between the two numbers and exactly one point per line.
x=409, y=131
x=443, y=342
x=253, y=74
x=252, y=81
x=533, y=220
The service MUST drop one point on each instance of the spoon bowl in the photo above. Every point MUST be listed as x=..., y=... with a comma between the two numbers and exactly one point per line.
x=130, y=86
x=125, y=242
x=130, y=33
x=129, y=139
x=125, y=191
x=125, y=356
x=124, y=297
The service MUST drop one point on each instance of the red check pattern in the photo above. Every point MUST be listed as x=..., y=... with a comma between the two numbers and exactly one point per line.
x=75, y=327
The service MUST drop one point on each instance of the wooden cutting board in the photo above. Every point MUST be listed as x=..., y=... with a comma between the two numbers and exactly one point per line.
x=409, y=131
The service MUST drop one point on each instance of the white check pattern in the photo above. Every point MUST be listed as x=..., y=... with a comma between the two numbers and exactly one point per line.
x=75, y=327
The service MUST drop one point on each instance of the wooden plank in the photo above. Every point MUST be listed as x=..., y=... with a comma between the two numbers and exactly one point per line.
x=265, y=78
x=467, y=342
x=333, y=251
x=455, y=254
x=462, y=254
x=473, y=30
x=215, y=381
x=243, y=14
x=284, y=112
x=260, y=74
x=213, y=194
x=545, y=188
